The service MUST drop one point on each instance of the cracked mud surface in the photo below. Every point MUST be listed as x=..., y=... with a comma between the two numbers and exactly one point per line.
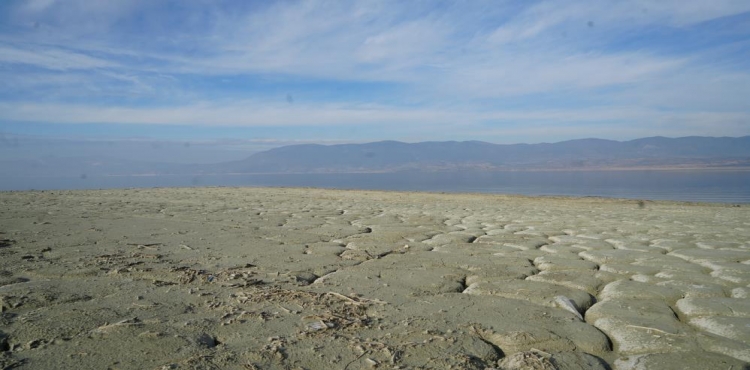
x=253, y=278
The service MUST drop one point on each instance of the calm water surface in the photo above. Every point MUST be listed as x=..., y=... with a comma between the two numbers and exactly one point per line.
x=702, y=186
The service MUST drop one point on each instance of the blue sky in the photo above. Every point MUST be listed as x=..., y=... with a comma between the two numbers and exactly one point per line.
x=355, y=71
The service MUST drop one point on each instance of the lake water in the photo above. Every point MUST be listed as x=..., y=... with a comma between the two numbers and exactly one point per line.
x=702, y=186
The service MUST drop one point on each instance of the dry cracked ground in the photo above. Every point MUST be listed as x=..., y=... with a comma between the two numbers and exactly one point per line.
x=253, y=278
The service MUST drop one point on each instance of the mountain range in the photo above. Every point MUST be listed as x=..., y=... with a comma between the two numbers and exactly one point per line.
x=393, y=156
x=389, y=156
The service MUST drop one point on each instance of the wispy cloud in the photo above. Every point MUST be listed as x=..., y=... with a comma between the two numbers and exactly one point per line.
x=51, y=58
x=480, y=67
x=638, y=120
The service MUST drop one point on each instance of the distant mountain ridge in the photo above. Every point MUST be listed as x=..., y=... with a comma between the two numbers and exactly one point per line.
x=388, y=156
x=393, y=156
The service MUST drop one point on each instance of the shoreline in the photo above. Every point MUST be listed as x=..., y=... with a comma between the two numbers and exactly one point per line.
x=699, y=186
x=415, y=192
x=241, y=277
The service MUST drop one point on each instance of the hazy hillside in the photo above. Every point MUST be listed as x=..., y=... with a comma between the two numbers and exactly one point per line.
x=584, y=153
x=391, y=156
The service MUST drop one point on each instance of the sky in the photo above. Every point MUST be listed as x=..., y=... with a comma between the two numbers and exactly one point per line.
x=269, y=73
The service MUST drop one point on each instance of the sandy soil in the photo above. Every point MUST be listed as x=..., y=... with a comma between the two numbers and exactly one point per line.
x=253, y=278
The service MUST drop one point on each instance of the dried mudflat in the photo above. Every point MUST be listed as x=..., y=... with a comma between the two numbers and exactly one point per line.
x=254, y=278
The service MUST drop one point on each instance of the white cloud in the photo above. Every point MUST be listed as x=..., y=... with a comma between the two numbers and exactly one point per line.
x=51, y=58
x=523, y=74
x=535, y=20
x=683, y=13
x=245, y=113
x=260, y=114
x=406, y=44
x=455, y=63
x=547, y=15
x=38, y=5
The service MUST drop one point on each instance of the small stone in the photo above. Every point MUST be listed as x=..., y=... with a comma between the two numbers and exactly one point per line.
x=207, y=340
x=4, y=346
x=303, y=277
x=34, y=344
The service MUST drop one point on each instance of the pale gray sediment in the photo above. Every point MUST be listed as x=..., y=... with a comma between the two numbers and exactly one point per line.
x=243, y=278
